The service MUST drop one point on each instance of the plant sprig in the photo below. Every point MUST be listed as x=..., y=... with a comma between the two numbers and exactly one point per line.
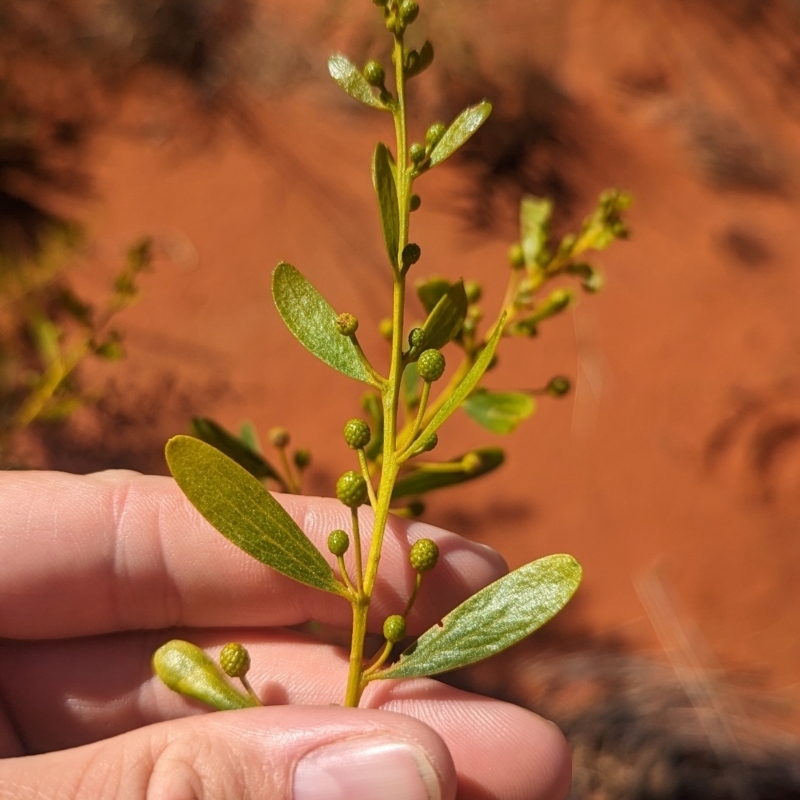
x=223, y=475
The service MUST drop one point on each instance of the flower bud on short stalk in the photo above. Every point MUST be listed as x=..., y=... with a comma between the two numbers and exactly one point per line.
x=409, y=10
x=351, y=489
x=279, y=437
x=374, y=74
x=416, y=508
x=386, y=329
x=416, y=338
x=430, y=365
x=235, y=660
x=346, y=324
x=302, y=458
x=429, y=443
x=434, y=134
x=411, y=254
x=423, y=555
x=357, y=434
x=417, y=153
x=473, y=290
x=338, y=542
x=415, y=201
x=394, y=628
x=558, y=386
x=471, y=463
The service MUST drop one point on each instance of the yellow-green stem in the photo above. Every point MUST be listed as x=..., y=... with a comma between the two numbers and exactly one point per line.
x=390, y=392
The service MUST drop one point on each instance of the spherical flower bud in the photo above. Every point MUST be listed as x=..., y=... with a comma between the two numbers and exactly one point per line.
x=394, y=629
x=416, y=337
x=338, y=542
x=374, y=74
x=408, y=11
x=411, y=254
x=423, y=555
x=279, y=437
x=416, y=508
x=416, y=152
x=434, y=134
x=351, y=489
x=415, y=201
x=386, y=329
x=302, y=458
x=357, y=433
x=470, y=463
x=473, y=291
x=346, y=324
x=234, y=660
x=558, y=386
x=516, y=256
x=430, y=365
x=429, y=443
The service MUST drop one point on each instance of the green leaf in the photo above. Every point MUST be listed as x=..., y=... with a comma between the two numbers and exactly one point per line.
x=431, y=290
x=471, y=379
x=214, y=434
x=447, y=317
x=188, y=670
x=534, y=222
x=385, y=189
x=249, y=437
x=420, y=480
x=462, y=128
x=495, y=618
x=419, y=61
x=309, y=317
x=349, y=77
x=499, y=412
x=245, y=513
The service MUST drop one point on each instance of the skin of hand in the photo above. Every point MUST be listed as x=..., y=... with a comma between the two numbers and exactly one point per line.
x=97, y=571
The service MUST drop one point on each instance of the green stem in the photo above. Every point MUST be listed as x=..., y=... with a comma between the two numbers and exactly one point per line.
x=365, y=471
x=390, y=391
x=408, y=440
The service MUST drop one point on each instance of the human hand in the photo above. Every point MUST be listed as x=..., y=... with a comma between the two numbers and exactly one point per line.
x=97, y=571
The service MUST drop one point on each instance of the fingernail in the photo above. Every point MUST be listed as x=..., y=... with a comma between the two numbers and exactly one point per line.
x=364, y=769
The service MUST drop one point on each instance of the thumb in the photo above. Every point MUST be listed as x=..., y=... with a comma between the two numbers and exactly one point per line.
x=279, y=753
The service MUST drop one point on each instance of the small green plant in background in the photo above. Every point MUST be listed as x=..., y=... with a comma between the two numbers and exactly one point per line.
x=47, y=331
x=407, y=402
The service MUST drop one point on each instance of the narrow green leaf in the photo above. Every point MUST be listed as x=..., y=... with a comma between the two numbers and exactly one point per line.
x=385, y=189
x=245, y=513
x=420, y=481
x=499, y=412
x=188, y=670
x=309, y=317
x=214, y=434
x=464, y=125
x=447, y=317
x=471, y=379
x=419, y=61
x=349, y=77
x=431, y=290
x=495, y=618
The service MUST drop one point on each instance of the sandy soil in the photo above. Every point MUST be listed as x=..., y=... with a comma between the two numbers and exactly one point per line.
x=675, y=464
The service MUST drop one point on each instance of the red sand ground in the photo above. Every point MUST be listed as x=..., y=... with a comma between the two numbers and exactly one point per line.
x=679, y=452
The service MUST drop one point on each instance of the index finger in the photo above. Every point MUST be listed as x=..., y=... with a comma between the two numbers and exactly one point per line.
x=82, y=555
